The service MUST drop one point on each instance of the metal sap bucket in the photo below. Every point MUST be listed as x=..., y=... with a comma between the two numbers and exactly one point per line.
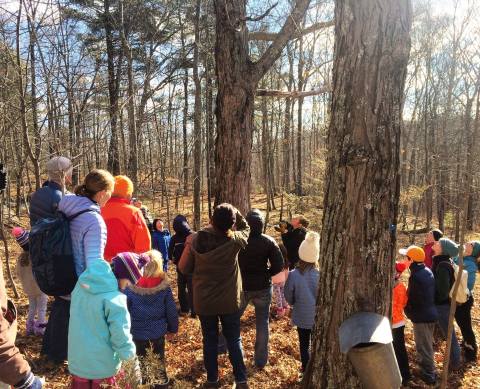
x=366, y=338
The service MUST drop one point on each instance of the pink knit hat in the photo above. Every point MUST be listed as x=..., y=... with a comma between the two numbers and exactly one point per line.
x=129, y=266
x=21, y=236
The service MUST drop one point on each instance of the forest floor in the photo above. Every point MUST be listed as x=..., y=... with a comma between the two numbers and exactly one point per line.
x=184, y=353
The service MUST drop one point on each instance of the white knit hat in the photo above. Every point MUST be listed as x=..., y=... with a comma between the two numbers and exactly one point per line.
x=309, y=250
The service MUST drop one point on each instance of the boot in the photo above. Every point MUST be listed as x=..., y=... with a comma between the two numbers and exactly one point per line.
x=39, y=328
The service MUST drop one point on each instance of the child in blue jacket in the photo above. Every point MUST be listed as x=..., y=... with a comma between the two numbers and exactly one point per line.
x=161, y=241
x=99, y=336
x=301, y=292
x=154, y=315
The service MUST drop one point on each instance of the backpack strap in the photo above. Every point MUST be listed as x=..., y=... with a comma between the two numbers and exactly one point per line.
x=70, y=218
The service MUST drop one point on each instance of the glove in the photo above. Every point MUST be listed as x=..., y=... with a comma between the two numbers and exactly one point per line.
x=30, y=382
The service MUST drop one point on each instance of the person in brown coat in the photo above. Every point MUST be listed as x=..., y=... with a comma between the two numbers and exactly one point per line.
x=14, y=369
x=211, y=255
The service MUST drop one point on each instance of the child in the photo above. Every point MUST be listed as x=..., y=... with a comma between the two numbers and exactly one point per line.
x=301, y=292
x=420, y=309
x=160, y=241
x=99, y=336
x=278, y=281
x=399, y=302
x=154, y=314
x=37, y=301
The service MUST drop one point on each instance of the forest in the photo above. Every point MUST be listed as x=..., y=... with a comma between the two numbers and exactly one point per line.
x=363, y=115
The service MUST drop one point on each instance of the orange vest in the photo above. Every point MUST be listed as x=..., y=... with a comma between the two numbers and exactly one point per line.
x=399, y=302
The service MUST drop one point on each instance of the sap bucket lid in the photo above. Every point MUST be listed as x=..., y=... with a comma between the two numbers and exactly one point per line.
x=364, y=327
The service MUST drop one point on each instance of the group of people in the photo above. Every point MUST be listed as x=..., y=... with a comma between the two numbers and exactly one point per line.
x=122, y=304
x=426, y=303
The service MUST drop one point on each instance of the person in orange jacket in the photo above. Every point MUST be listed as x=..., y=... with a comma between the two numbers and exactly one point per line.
x=126, y=227
x=399, y=301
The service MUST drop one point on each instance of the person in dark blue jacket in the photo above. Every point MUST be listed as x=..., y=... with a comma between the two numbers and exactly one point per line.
x=175, y=250
x=161, y=240
x=421, y=311
x=44, y=201
x=154, y=315
x=463, y=314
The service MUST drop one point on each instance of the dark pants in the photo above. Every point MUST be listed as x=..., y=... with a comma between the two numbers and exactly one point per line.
x=157, y=373
x=305, y=336
x=401, y=352
x=463, y=316
x=231, y=331
x=55, y=340
x=185, y=292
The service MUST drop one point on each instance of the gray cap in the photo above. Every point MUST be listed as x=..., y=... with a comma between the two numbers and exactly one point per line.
x=58, y=168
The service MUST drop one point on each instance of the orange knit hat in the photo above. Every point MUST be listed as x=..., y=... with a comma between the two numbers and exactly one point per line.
x=123, y=187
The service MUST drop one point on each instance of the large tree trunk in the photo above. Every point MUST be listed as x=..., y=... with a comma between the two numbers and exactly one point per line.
x=237, y=78
x=362, y=178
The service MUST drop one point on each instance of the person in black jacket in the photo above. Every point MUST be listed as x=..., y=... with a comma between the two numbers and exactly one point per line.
x=421, y=311
x=259, y=261
x=293, y=234
x=175, y=250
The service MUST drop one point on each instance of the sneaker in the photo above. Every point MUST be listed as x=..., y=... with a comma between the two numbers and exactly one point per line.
x=30, y=327
x=39, y=328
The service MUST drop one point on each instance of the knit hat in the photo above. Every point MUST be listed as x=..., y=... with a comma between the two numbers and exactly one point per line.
x=309, y=250
x=476, y=248
x=21, y=236
x=58, y=168
x=123, y=187
x=449, y=247
x=400, y=268
x=256, y=221
x=415, y=253
x=437, y=234
x=129, y=266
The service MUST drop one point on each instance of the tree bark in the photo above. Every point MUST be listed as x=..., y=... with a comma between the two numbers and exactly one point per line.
x=362, y=177
x=237, y=78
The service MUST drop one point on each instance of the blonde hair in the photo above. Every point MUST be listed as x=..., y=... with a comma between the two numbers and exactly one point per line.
x=94, y=182
x=154, y=268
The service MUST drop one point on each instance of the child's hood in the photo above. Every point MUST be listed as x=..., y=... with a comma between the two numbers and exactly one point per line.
x=98, y=278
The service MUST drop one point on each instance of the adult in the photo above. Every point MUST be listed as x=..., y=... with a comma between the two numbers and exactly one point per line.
x=88, y=233
x=145, y=212
x=420, y=309
x=430, y=238
x=175, y=250
x=463, y=313
x=14, y=369
x=444, y=250
x=293, y=234
x=259, y=261
x=212, y=257
x=44, y=201
x=127, y=230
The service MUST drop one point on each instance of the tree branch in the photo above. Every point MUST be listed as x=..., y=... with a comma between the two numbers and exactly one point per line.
x=293, y=94
x=275, y=49
x=270, y=36
x=262, y=16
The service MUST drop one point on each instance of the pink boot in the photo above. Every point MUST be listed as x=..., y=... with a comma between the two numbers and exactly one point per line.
x=30, y=327
x=39, y=328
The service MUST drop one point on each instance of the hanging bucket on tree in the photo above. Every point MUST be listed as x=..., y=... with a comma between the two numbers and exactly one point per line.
x=366, y=338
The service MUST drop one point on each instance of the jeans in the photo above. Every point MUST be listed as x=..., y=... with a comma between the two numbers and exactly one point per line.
x=185, y=292
x=463, y=316
x=159, y=372
x=304, y=336
x=423, y=334
x=401, y=352
x=261, y=300
x=455, y=352
x=231, y=331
